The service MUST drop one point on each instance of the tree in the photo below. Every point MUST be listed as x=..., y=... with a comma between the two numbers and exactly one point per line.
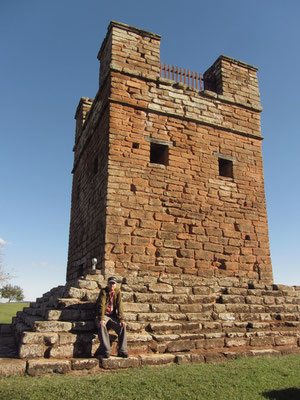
x=12, y=293
x=4, y=276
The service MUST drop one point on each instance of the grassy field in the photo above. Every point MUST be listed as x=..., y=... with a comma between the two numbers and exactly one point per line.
x=275, y=378
x=9, y=310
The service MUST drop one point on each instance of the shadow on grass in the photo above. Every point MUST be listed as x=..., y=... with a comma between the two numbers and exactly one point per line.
x=284, y=394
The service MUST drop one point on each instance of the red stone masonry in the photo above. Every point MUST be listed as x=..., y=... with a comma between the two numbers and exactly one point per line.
x=168, y=179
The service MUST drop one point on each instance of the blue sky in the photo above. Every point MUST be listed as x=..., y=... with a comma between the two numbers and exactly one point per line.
x=49, y=60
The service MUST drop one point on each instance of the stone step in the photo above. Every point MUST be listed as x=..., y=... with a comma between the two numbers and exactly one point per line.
x=30, y=320
x=73, y=303
x=165, y=314
x=12, y=367
x=19, y=326
x=34, y=367
x=6, y=329
x=174, y=327
x=69, y=315
x=67, y=344
x=55, y=338
x=52, y=326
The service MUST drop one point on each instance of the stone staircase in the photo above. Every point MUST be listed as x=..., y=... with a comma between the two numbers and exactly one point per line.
x=182, y=317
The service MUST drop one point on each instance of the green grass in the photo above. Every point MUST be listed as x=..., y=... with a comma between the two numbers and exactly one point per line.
x=9, y=310
x=242, y=379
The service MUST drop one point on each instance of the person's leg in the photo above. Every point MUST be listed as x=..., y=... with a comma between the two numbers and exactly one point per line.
x=121, y=332
x=122, y=341
x=104, y=337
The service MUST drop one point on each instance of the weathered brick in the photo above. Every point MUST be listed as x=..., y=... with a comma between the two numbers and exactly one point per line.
x=236, y=342
x=12, y=367
x=62, y=351
x=157, y=359
x=180, y=345
x=262, y=341
x=184, y=262
x=41, y=367
x=171, y=308
x=153, y=317
x=86, y=363
x=191, y=308
x=160, y=288
x=286, y=341
x=31, y=350
x=136, y=307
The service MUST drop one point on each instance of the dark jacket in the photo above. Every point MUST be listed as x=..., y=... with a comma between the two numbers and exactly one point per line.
x=102, y=303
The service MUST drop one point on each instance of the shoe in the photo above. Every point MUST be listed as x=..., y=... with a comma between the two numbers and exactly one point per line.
x=123, y=355
x=105, y=356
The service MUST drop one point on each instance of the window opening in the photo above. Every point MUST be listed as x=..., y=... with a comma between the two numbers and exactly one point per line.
x=159, y=153
x=225, y=168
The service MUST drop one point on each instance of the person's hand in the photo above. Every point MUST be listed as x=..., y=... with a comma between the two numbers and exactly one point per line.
x=102, y=324
x=123, y=324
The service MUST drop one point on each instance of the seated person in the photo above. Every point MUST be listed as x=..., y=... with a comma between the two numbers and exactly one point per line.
x=109, y=315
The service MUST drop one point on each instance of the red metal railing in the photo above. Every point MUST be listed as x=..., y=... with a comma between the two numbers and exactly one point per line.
x=190, y=78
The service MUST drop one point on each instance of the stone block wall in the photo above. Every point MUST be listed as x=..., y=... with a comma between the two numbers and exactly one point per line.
x=235, y=80
x=130, y=48
x=88, y=202
x=185, y=317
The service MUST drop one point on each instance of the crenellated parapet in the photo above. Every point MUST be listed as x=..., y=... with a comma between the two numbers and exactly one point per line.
x=131, y=50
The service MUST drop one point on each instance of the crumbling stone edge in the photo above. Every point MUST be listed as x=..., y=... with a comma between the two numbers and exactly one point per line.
x=17, y=367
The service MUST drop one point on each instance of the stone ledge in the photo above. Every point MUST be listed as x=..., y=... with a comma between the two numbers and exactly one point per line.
x=84, y=363
x=12, y=367
x=214, y=357
x=265, y=352
x=180, y=86
x=131, y=28
x=205, y=121
x=46, y=366
x=157, y=359
x=16, y=367
x=120, y=363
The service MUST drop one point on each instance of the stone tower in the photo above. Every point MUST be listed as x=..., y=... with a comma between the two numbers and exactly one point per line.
x=168, y=178
x=168, y=195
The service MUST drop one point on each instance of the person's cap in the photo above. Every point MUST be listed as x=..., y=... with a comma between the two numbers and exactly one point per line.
x=112, y=279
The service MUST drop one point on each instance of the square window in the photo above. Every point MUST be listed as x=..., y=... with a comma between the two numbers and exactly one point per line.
x=159, y=153
x=225, y=168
